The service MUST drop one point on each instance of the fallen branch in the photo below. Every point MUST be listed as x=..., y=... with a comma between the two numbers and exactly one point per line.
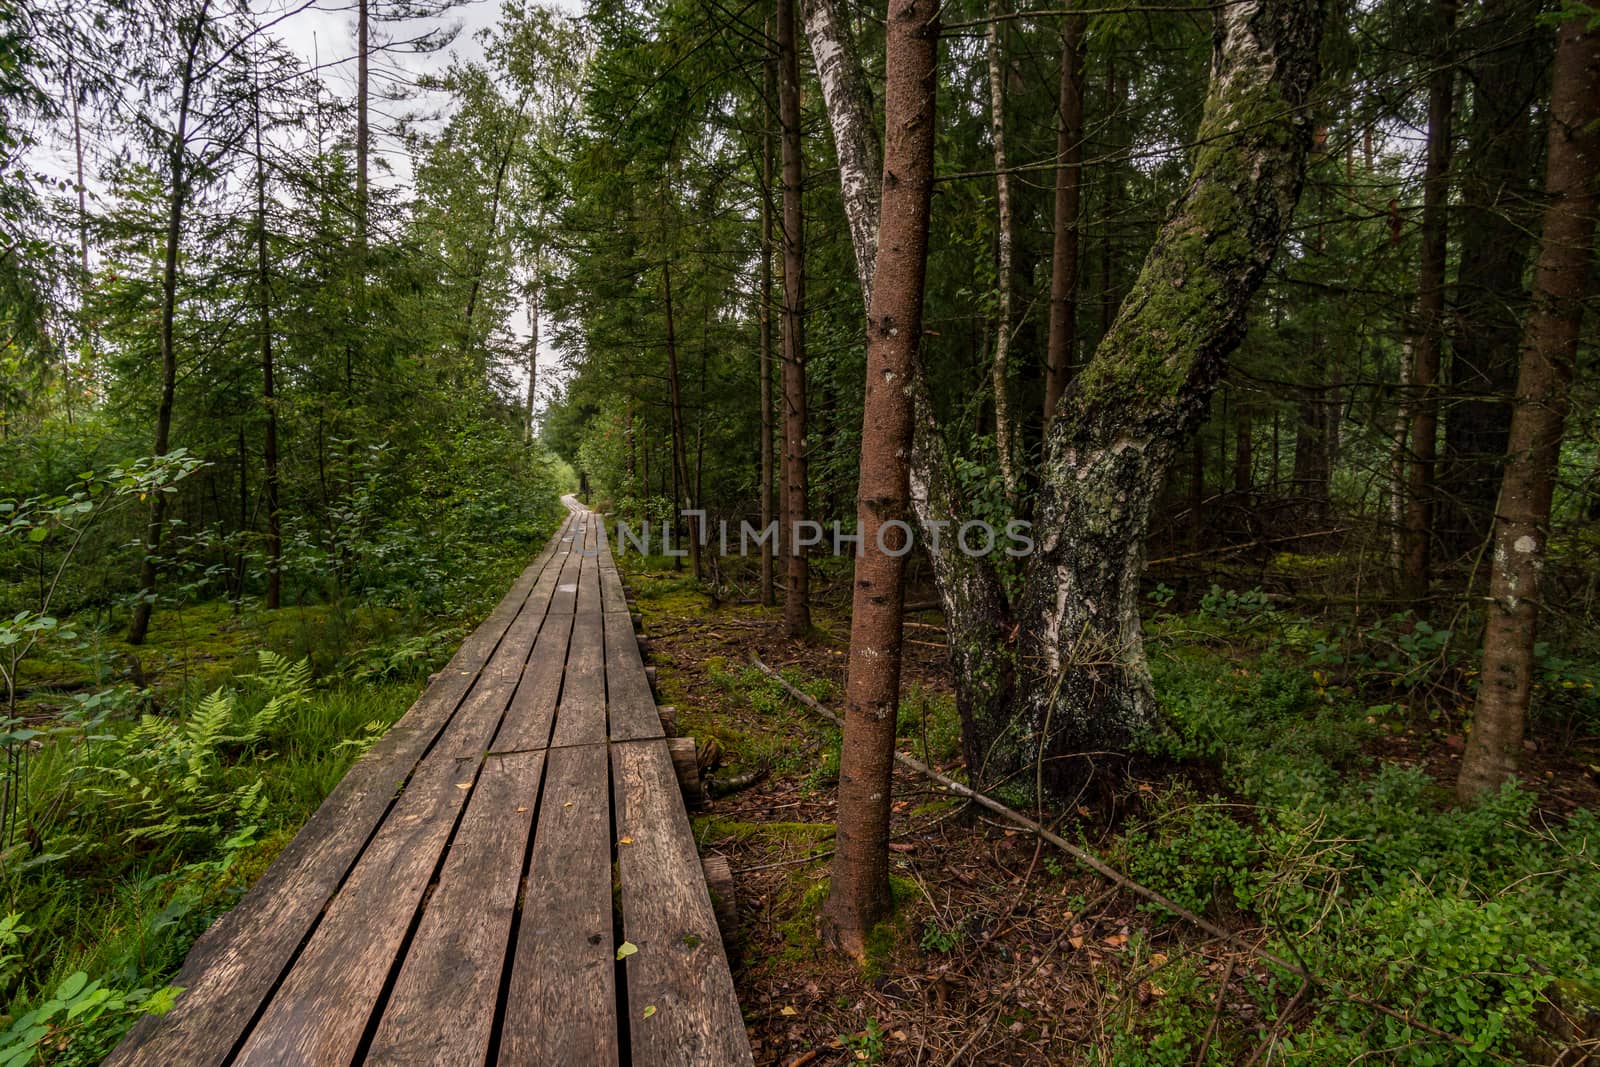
x=1100, y=867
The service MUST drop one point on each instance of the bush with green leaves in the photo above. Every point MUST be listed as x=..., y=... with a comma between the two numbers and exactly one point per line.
x=1471, y=920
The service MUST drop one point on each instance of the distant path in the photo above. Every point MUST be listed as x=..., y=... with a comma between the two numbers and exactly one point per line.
x=452, y=901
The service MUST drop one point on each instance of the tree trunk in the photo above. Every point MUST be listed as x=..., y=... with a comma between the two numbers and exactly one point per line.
x=797, y=591
x=1185, y=317
x=855, y=132
x=1496, y=169
x=1110, y=196
x=680, y=446
x=1083, y=682
x=1059, y=351
x=1003, y=432
x=1429, y=325
x=269, y=400
x=1549, y=355
x=764, y=315
x=1244, y=458
x=858, y=894
x=178, y=175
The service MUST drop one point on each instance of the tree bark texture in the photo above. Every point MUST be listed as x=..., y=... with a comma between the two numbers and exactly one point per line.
x=858, y=895
x=1059, y=349
x=1066, y=671
x=1083, y=682
x=1428, y=328
x=855, y=130
x=1549, y=354
x=797, y=588
x=1004, y=434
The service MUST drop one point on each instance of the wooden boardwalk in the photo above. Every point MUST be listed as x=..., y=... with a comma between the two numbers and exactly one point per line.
x=461, y=896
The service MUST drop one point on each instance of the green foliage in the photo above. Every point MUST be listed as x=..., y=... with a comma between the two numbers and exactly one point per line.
x=866, y=1046
x=77, y=1024
x=1464, y=918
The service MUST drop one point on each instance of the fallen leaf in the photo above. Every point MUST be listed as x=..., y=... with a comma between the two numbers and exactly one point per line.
x=624, y=840
x=649, y=1010
x=568, y=804
x=521, y=810
x=787, y=1010
x=626, y=949
x=463, y=785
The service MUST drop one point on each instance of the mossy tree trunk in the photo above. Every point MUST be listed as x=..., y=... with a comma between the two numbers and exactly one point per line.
x=1059, y=668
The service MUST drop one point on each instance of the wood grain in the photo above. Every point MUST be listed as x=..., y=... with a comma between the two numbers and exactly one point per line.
x=681, y=1003
x=561, y=1007
x=630, y=704
x=581, y=716
x=442, y=1008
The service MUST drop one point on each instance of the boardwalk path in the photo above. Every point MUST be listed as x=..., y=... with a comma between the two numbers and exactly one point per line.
x=461, y=896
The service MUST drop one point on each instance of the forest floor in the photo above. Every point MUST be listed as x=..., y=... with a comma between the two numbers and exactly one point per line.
x=1002, y=950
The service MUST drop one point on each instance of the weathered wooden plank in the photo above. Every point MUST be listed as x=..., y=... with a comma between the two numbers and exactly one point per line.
x=235, y=964
x=589, y=577
x=318, y=1015
x=565, y=601
x=630, y=705
x=532, y=712
x=561, y=1007
x=681, y=1004
x=581, y=715
x=442, y=1008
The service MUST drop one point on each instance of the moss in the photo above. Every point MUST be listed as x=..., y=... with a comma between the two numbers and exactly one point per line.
x=716, y=828
x=887, y=937
x=799, y=930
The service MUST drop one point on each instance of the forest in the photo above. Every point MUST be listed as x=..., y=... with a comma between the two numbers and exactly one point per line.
x=1253, y=343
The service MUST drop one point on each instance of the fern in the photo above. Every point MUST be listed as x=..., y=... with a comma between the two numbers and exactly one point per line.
x=166, y=780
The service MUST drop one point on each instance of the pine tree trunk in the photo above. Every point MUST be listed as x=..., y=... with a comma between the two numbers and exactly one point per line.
x=858, y=894
x=1497, y=168
x=764, y=314
x=797, y=591
x=1429, y=326
x=680, y=444
x=1059, y=349
x=1549, y=356
x=1244, y=450
x=1003, y=428
x=178, y=177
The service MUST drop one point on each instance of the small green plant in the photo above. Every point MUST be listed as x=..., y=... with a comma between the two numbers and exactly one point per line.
x=943, y=939
x=867, y=1046
x=75, y=1025
x=1228, y=605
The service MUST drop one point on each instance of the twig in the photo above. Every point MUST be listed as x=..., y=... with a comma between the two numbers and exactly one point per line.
x=1100, y=867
